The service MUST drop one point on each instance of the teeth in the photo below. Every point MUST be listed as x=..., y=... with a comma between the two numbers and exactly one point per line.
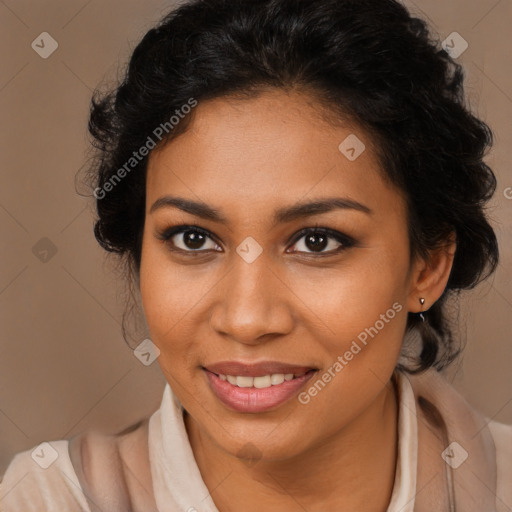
x=264, y=381
x=277, y=378
x=244, y=382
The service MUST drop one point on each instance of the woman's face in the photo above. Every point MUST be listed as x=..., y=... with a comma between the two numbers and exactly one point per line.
x=249, y=288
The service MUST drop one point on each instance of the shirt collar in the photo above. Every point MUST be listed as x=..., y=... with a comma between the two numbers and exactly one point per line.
x=178, y=484
x=404, y=489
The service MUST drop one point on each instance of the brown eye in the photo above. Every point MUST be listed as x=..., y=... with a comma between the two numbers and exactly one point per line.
x=192, y=239
x=188, y=239
x=318, y=240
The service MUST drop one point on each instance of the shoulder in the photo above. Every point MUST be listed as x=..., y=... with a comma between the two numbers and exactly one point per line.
x=465, y=420
x=42, y=478
x=89, y=472
x=502, y=436
x=114, y=470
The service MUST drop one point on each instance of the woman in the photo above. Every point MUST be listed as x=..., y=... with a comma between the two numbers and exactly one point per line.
x=298, y=189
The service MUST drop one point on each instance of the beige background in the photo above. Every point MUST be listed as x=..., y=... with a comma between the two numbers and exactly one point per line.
x=64, y=366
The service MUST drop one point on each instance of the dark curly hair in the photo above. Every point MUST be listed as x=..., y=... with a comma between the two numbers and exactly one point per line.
x=366, y=60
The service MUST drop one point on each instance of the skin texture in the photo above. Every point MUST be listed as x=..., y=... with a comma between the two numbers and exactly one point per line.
x=247, y=158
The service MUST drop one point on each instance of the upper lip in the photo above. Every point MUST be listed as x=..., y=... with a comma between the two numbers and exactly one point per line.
x=256, y=369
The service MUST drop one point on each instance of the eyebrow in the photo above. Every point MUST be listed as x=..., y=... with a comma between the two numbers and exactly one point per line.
x=281, y=215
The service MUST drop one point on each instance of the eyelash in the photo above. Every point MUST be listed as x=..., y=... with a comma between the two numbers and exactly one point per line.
x=345, y=241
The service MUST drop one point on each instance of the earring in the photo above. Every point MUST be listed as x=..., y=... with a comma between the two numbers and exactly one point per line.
x=422, y=301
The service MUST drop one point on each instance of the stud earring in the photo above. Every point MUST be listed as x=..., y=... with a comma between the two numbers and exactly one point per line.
x=422, y=301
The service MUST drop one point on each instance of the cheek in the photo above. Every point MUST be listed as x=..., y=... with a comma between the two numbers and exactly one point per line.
x=353, y=297
x=361, y=309
x=162, y=291
x=366, y=317
x=173, y=300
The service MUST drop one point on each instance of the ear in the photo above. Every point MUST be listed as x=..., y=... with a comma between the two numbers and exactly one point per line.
x=429, y=276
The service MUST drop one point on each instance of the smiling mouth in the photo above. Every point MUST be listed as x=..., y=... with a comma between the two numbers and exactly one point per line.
x=256, y=388
x=262, y=381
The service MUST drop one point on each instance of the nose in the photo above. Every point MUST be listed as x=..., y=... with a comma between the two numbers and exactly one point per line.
x=253, y=304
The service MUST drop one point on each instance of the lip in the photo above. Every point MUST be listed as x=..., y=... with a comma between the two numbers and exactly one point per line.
x=256, y=369
x=257, y=400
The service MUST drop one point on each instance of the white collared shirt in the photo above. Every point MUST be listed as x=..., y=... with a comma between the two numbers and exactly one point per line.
x=177, y=482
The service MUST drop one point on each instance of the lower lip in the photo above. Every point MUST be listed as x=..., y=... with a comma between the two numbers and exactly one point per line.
x=255, y=399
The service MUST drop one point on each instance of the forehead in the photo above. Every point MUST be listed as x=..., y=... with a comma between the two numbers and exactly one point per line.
x=275, y=148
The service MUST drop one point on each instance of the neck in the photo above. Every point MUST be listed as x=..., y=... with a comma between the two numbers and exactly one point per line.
x=352, y=470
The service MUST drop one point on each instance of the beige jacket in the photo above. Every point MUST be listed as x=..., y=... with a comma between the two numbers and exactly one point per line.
x=450, y=458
